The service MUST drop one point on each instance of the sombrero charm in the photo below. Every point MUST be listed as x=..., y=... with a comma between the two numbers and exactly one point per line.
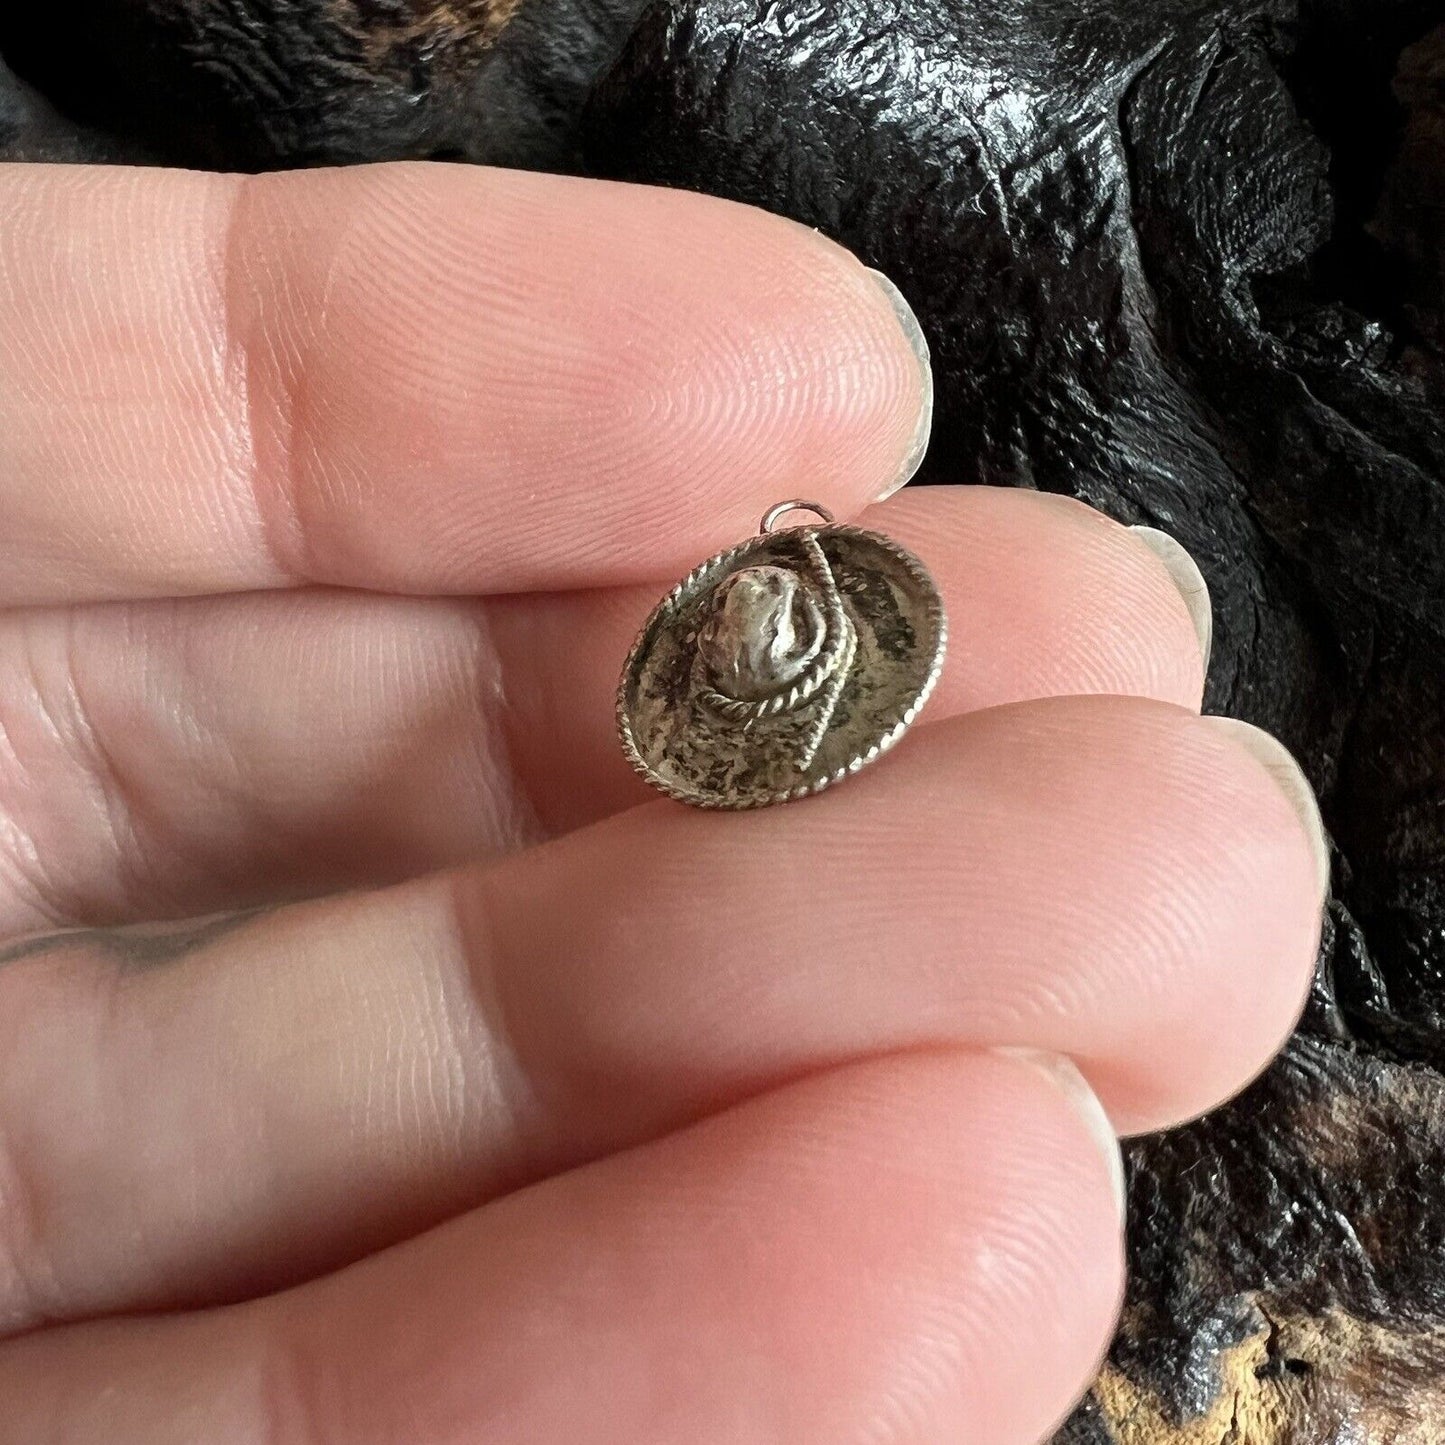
x=782, y=665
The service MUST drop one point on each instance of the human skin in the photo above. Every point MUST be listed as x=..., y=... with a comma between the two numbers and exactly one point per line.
x=501, y=1102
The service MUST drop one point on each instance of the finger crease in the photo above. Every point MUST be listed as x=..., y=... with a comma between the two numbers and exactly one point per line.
x=121, y=822
x=513, y=1083
x=250, y=352
x=285, y=1393
x=19, y=855
x=28, y=1286
x=516, y=823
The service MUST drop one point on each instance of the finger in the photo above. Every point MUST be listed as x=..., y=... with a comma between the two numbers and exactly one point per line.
x=219, y=1111
x=918, y=1249
x=167, y=759
x=420, y=378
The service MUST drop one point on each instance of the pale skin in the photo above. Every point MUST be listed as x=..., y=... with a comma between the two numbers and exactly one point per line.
x=504, y=1102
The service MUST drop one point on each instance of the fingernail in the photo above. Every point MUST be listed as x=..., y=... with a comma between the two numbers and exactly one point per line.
x=1064, y=1074
x=919, y=342
x=1282, y=767
x=1185, y=573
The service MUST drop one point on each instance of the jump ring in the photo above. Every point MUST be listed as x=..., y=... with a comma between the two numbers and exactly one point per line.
x=775, y=514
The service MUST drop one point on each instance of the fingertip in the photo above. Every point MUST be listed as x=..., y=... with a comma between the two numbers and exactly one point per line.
x=1064, y=1074
x=1262, y=848
x=1044, y=1278
x=1294, y=786
x=1188, y=581
x=1057, y=599
x=923, y=427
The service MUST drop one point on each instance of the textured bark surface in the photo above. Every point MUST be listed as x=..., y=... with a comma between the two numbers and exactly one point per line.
x=255, y=84
x=1183, y=258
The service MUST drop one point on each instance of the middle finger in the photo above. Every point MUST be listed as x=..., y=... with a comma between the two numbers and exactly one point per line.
x=170, y=759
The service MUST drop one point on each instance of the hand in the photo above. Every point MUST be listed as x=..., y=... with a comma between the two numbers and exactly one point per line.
x=550, y=1113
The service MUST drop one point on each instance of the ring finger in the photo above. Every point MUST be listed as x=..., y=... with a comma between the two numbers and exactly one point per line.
x=211, y=1113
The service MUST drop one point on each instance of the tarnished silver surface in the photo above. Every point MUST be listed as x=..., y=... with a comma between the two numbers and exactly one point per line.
x=781, y=665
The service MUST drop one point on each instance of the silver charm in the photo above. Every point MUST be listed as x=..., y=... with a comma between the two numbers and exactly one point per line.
x=782, y=665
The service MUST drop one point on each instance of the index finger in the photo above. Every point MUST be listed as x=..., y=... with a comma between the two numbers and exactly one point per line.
x=420, y=378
